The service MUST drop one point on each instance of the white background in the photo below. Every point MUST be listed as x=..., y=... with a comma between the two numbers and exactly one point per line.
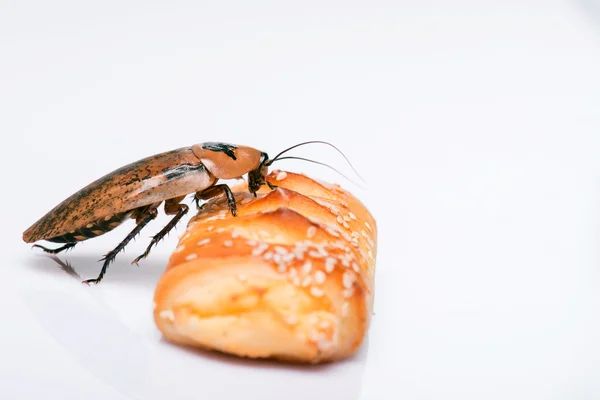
x=476, y=124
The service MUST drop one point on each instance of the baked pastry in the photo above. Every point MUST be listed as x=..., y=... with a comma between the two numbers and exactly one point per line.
x=290, y=278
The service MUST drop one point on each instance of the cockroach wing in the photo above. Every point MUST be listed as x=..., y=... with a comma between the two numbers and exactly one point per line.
x=148, y=181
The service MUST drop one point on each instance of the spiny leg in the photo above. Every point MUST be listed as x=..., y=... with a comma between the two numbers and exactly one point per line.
x=57, y=250
x=214, y=191
x=144, y=218
x=172, y=207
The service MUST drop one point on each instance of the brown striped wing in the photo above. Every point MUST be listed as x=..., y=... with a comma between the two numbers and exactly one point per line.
x=148, y=181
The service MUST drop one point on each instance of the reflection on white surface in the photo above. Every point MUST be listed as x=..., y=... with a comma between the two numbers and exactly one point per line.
x=145, y=369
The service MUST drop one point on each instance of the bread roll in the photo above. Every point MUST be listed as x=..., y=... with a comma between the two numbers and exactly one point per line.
x=289, y=278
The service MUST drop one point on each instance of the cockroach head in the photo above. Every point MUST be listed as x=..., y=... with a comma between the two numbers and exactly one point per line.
x=258, y=177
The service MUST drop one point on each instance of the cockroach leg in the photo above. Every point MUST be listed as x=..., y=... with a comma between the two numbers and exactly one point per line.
x=215, y=191
x=271, y=186
x=172, y=207
x=57, y=250
x=146, y=215
x=197, y=199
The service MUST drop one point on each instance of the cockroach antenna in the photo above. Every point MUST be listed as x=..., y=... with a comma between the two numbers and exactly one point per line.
x=278, y=157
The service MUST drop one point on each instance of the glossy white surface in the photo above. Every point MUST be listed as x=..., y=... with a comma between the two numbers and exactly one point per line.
x=476, y=123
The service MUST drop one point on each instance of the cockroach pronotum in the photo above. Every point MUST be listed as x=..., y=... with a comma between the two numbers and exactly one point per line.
x=135, y=191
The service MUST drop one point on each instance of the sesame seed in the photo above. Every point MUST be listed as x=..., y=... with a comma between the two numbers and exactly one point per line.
x=293, y=273
x=192, y=256
x=282, y=267
x=167, y=314
x=332, y=232
x=363, y=254
x=355, y=267
x=348, y=292
x=299, y=254
x=251, y=242
x=264, y=233
x=368, y=226
x=370, y=254
x=154, y=305
x=348, y=279
x=280, y=250
x=203, y=242
x=307, y=267
x=311, y=232
x=344, y=203
x=320, y=277
x=330, y=264
x=228, y=243
x=179, y=248
x=258, y=250
x=307, y=281
x=288, y=257
x=339, y=219
x=355, y=234
x=236, y=234
x=277, y=257
x=302, y=245
x=337, y=245
x=346, y=218
x=317, y=292
x=354, y=242
x=210, y=228
x=322, y=250
x=351, y=215
x=345, y=309
x=220, y=230
x=315, y=254
x=281, y=176
x=346, y=225
x=268, y=255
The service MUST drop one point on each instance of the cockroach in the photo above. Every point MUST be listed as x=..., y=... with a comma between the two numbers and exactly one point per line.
x=137, y=190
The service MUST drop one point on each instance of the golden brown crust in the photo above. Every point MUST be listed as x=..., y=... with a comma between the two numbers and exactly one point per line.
x=290, y=278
